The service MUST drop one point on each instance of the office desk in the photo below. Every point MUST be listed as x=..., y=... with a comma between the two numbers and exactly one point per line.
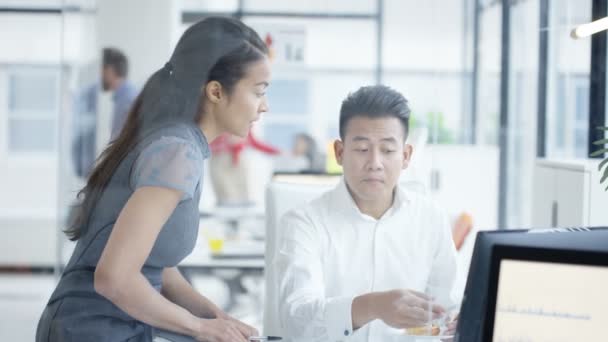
x=238, y=259
x=233, y=214
x=246, y=255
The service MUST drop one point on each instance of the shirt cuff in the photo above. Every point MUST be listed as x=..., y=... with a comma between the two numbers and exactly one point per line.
x=338, y=318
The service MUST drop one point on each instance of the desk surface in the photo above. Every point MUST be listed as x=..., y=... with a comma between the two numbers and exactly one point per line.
x=235, y=255
x=234, y=212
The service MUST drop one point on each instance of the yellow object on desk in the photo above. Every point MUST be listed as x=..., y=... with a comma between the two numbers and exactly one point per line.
x=216, y=245
x=214, y=237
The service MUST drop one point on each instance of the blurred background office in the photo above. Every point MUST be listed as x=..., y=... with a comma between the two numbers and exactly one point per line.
x=505, y=108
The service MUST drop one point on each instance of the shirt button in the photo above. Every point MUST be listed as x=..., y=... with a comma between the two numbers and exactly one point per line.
x=346, y=332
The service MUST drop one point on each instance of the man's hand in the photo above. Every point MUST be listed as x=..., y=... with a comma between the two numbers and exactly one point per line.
x=451, y=328
x=406, y=308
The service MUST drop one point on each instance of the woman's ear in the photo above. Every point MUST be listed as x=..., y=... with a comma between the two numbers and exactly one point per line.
x=213, y=92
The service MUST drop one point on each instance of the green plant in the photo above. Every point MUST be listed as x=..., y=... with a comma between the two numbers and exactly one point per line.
x=438, y=131
x=603, y=149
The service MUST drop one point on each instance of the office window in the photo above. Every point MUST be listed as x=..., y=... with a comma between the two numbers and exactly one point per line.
x=312, y=6
x=282, y=135
x=288, y=100
x=568, y=80
x=32, y=108
x=288, y=97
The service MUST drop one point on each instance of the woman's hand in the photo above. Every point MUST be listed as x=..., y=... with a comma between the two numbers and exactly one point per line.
x=245, y=329
x=220, y=330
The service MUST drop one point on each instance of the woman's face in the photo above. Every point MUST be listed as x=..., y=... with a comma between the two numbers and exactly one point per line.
x=300, y=147
x=240, y=109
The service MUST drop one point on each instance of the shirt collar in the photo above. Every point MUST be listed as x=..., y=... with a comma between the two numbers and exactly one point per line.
x=342, y=200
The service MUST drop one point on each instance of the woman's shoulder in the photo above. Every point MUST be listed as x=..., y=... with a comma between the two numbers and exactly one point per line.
x=179, y=134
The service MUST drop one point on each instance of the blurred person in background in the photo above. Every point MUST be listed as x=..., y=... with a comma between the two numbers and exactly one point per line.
x=229, y=169
x=114, y=72
x=305, y=146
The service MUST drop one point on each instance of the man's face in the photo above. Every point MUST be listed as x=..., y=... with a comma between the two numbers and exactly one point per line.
x=372, y=156
x=300, y=147
x=108, y=75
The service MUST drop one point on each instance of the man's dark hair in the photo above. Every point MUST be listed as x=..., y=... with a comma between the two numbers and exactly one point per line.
x=376, y=101
x=114, y=58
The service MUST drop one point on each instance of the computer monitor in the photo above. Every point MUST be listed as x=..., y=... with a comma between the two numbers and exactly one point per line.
x=472, y=311
x=545, y=294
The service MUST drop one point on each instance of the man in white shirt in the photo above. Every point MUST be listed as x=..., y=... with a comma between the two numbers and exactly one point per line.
x=364, y=259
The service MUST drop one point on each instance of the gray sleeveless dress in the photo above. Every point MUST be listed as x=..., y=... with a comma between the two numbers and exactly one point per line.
x=171, y=157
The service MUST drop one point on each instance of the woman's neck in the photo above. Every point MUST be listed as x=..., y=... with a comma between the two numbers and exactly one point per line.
x=209, y=127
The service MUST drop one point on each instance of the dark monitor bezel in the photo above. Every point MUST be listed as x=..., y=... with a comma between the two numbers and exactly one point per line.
x=472, y=310
x=525, y=253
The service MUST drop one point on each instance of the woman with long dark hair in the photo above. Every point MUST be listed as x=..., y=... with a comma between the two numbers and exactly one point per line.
x=138, y=213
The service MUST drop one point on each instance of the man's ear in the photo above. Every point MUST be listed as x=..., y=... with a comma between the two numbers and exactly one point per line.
x=407, y=155
x=339, y=150
x=214, y=92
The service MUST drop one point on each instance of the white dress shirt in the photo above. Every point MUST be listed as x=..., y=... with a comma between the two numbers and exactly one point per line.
x=331, y=253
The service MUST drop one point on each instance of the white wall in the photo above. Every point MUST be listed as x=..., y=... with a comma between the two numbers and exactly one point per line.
x=145, y=33
x=43, y=45
x=423, y=35
x=46, y=38
x=417, y=35
x=468, y=181
x=31, y=180
x=31, y=185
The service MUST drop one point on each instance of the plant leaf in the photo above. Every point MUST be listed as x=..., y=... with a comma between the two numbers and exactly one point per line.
x=599, y=152
x=602, y=128
x=605, y=176
x=599, y=168
x=601, y=142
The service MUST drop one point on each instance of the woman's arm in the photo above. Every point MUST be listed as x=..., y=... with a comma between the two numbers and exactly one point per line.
x=177, y=289
x=118, y=274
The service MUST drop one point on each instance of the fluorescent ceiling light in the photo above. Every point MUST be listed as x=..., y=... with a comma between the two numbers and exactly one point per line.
x=586, y=30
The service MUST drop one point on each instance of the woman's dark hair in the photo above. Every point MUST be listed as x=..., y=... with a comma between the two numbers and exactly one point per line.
x=377, y=101
x=214, y=49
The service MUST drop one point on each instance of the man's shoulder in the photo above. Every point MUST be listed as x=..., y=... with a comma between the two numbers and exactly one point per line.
x=128, y=91
x=420, y=201
x=131, y=86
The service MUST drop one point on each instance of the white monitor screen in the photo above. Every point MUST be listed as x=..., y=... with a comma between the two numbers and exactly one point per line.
x=542, y=301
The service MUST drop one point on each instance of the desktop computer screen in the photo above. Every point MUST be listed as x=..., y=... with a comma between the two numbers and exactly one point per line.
x=540, y=294
x=474, y=305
